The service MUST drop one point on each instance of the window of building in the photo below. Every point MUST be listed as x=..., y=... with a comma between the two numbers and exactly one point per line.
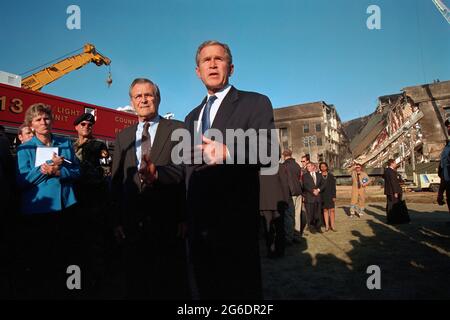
x=319, y=141
x=446, y=112
x=284, y=138
x=306, y=128
x=318, y=127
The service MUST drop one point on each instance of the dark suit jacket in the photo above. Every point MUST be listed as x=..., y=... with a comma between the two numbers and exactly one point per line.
x=309, y=185
x=329, y=185
x=150, y=217
x=134, y=203
x=223, y=205
x=293, y=172
x=274, y=192
x=391, y=183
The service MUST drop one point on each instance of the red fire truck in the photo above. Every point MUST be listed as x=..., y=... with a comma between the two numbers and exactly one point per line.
x=15, y=101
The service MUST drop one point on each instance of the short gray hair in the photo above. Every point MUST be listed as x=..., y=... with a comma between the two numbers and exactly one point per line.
x=214, y=43
x=150, y=82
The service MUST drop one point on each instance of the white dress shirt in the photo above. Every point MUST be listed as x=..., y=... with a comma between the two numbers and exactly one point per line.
x=313, y=175
x=215, y=106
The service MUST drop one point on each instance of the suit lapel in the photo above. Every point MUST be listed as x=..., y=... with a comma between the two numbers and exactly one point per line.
x=195, y=115
x=225, y=111
x=129, y=144
x=311, y=179
x=161, y=137
x=318, y=179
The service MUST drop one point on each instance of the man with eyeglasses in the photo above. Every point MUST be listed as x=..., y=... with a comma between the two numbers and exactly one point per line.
x=304, y=162
x=150, y=216
x=91, y=153
x=92, y=193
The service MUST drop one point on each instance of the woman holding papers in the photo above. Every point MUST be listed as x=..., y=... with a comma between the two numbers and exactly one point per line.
x=46, y=169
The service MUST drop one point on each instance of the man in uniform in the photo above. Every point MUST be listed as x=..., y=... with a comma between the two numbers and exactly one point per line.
x=93, y=156
x=92, y=192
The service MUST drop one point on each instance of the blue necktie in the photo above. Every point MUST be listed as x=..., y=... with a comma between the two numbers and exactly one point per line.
x=206, y=123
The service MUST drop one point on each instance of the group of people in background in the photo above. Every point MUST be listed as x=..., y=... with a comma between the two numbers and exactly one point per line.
x=305, y=196
x=298, y=197
x=396, y=210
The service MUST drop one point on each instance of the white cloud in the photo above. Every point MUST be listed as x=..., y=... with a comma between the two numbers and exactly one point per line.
x=128, y=109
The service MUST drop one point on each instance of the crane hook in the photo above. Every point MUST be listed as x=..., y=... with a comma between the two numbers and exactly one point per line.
x=109, y=78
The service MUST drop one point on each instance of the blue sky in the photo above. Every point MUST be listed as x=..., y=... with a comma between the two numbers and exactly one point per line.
x=294, y=51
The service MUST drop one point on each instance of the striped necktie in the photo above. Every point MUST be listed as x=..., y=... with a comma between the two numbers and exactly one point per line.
x=206, y=122
x=146, y=143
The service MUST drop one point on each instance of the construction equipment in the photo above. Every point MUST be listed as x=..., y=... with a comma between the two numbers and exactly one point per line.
x=425, y=182
x=442, y=9
x=430, y=181
x=36, y=81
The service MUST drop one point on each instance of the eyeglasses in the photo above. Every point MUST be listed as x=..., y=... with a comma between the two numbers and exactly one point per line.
x=84, y=124
x=303, y=161
x=139, y=97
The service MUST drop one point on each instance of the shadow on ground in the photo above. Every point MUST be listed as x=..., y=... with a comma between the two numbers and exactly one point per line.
x=414, y=259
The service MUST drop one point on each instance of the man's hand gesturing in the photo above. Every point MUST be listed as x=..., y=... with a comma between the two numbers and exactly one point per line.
x=148, y=173
x=213, y=152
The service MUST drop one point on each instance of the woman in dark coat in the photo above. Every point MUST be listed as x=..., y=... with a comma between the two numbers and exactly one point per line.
x=396, y=210
x=328, y=197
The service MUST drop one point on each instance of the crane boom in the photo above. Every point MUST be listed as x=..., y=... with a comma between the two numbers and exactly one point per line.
x=442, y=9
x=36, y=81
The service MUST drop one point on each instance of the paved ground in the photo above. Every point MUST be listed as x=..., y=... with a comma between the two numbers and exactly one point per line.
x=414, y=259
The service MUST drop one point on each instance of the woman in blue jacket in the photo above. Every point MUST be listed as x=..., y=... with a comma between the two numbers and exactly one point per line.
x=46, y=170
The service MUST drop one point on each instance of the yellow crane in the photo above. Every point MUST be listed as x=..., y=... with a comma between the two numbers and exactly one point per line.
x=49, y=74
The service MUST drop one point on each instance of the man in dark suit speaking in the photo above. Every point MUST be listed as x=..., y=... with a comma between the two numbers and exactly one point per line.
x=223, y=191
x=148, y=216
x=231, y=130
